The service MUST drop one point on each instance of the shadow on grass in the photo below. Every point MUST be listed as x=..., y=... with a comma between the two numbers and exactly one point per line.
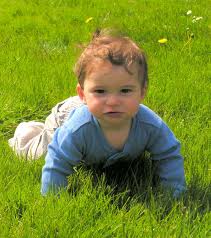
x=198, y=196
x=136, y=180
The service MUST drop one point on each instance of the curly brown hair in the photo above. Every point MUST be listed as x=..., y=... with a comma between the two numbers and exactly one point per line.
x=120, y=50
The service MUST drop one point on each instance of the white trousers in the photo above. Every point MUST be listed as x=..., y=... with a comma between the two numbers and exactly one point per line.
x=31, y=139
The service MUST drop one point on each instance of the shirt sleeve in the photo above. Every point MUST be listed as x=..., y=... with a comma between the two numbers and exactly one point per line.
x=64, y=152
x=165, y=151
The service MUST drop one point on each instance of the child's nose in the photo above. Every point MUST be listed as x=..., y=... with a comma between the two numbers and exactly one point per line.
x=112, y=99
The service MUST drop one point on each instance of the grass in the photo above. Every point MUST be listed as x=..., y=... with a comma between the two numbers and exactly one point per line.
x=38, y=48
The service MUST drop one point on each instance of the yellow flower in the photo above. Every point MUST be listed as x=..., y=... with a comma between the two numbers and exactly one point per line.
x=189, y=12
x=162, y=41
x=89, y=19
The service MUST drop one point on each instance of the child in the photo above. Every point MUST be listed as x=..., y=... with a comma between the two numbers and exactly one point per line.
x=112, y=125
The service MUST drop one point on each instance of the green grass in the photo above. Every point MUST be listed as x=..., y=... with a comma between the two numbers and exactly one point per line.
x=38, y=49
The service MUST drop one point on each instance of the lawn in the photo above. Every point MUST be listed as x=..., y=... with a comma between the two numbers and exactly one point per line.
x=39, y=44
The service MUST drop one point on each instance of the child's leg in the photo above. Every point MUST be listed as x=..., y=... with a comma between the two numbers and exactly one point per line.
x=32, y=138
x=25, y=134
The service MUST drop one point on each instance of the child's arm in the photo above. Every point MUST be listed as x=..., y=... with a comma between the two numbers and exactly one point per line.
x=165, y=151
x=63, y=154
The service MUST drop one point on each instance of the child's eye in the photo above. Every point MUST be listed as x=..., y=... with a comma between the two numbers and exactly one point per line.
x=99, y=91
x=126, y=90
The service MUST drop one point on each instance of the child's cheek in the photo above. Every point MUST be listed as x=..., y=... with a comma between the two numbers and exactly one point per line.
x=94, y=104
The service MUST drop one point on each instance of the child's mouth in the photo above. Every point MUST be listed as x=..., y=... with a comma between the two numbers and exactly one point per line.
x=114, y=114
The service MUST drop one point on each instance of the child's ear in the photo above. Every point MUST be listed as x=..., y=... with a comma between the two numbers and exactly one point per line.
x=143, y=92
x=80, y=92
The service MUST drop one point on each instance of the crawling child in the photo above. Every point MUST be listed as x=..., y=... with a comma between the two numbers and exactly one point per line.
x=109, y=125
x=112, y=125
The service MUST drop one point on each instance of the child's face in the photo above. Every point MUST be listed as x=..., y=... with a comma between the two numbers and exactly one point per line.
x=111, y=93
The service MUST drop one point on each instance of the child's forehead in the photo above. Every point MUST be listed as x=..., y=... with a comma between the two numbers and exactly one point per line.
x=107, y=74
x=101, y=66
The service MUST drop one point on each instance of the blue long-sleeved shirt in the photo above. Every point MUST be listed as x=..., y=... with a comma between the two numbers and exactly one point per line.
x=81, y=139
